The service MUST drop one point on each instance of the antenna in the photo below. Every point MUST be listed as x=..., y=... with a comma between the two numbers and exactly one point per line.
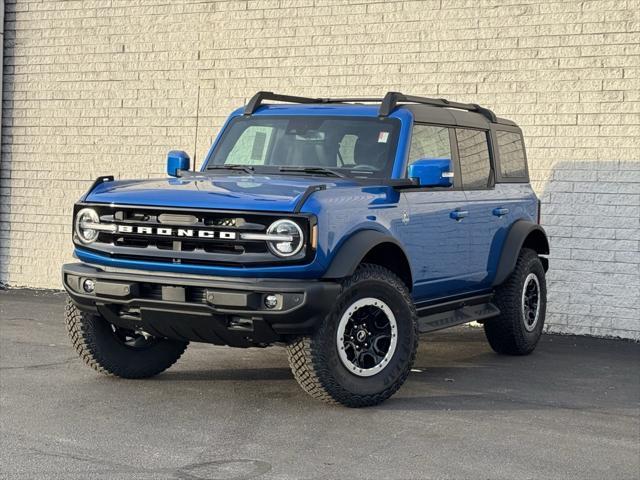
x=195, y=141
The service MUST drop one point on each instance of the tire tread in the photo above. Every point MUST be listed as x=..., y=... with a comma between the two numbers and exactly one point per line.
x=309, y=363
x=82, y=330
x=505, y=333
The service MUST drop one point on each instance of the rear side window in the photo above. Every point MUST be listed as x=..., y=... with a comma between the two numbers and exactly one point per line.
x=511, y=151
x=475, y=165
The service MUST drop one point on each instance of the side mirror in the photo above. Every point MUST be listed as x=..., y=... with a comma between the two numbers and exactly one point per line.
x=177, y=160
x=432, y=172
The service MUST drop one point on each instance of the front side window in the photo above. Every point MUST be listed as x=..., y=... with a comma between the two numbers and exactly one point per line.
x=475, y=165
x=352, y=146
x=429, y=142
x=511, y=149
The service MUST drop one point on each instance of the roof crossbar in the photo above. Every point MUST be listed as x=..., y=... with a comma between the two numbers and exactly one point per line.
x=391, y=99
x=387, y=104
x=259, y=97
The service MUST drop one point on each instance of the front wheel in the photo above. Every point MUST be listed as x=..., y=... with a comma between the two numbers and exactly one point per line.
x=116, y=351
x=522, y=300
x=364, y=349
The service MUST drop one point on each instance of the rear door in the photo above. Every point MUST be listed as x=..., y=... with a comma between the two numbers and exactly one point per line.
x=489, y=208
x=438, y=245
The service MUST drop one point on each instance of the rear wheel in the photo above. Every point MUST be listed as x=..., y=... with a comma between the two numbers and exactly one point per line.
x=364, y=349
x=117, y=351
x=522, y=300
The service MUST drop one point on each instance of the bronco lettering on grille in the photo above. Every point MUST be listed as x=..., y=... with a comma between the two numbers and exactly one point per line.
x=177, y=232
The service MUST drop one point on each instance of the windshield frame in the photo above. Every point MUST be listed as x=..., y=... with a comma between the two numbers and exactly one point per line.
x=385, y=173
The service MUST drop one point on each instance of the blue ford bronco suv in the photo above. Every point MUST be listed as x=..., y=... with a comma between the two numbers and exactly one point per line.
x=340, y=228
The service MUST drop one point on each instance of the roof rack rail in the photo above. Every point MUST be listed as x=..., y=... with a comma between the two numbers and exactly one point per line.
x=387, y=104
x=391, y=99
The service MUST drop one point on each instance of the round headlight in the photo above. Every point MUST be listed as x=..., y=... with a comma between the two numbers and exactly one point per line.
x=290, y=230
x=86, y=217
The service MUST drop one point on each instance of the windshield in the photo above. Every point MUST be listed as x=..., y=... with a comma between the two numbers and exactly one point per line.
x=341, y=146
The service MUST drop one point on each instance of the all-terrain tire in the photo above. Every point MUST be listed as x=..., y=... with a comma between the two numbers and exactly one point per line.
x=513, y=332
x=315, y=360
x=100, y=348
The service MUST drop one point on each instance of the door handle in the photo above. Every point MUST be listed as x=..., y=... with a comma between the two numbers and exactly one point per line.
x=458, y=214
x=499, y=212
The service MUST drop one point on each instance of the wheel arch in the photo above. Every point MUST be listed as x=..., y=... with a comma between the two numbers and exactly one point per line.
x=371, y=246
x=522, y=234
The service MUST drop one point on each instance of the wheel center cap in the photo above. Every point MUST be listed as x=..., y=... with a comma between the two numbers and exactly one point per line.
x=361, y=336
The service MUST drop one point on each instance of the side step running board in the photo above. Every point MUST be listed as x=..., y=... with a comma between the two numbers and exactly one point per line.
x=430, y=322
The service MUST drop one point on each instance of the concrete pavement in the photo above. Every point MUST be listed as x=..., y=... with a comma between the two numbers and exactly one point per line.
x=570, y=410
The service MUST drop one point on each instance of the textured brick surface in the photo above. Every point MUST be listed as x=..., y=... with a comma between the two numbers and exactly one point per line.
x=98, y=87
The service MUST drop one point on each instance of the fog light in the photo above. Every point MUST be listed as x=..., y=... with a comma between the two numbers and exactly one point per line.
x=89, y=285
x=271, y=301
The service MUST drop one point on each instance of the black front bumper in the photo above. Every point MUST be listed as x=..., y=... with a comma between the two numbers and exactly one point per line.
x=224, y=311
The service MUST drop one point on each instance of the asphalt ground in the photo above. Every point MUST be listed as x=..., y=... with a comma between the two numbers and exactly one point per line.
x=570, y=410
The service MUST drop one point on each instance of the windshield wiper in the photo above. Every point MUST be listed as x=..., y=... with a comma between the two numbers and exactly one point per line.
x=313, y=170
x=243, y=168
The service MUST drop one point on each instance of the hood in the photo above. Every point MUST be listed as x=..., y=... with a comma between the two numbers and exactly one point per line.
x=234, y=192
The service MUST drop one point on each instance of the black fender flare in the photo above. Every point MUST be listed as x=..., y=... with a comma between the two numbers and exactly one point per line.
x=520, y=232
x=355, y=248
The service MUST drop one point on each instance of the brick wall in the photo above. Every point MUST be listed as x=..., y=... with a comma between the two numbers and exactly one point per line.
x=108, y=86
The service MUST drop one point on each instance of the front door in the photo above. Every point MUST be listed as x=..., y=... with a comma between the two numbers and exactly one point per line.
x=438, y=245
x=436, y=241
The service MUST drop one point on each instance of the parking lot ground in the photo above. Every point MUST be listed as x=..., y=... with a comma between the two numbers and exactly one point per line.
x=570, y=410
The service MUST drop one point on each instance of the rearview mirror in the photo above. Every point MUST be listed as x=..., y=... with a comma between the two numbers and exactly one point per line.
x=177, y=160
x=432, y=172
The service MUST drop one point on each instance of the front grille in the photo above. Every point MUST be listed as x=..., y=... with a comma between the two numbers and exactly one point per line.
x=190, y=236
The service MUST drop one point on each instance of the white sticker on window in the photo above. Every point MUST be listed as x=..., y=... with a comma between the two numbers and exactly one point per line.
x=383, y=137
